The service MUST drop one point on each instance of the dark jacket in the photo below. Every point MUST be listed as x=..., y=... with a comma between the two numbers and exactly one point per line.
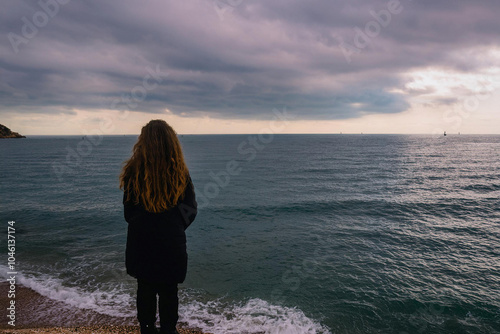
x=156, y=242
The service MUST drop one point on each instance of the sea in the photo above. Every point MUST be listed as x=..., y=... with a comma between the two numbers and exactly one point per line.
x=337, y=233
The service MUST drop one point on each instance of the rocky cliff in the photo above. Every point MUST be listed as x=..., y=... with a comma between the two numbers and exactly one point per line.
x=5, y=132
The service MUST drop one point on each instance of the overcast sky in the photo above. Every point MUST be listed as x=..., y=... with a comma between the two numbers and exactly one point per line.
x=409, y=66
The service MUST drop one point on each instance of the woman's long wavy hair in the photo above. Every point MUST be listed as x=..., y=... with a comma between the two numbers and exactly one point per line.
x=156, y=175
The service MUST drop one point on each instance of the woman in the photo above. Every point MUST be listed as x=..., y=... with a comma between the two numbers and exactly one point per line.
x=159, y=204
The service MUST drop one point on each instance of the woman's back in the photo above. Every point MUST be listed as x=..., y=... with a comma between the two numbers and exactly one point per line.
x=159, y=205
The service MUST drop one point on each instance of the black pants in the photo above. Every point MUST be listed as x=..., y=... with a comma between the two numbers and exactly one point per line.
x=168, y=302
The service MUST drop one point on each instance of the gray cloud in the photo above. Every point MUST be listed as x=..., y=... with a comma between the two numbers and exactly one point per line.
x=237, y=59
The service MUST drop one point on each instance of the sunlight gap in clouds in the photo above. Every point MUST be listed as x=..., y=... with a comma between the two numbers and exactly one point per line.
x=442, y=82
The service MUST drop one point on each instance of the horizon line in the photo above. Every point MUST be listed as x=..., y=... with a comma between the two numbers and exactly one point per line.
x=291, y=133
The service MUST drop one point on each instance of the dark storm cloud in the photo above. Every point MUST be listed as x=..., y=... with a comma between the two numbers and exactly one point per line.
x=232, y=59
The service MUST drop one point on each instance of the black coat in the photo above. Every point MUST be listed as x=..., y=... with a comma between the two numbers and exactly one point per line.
x=156, y=242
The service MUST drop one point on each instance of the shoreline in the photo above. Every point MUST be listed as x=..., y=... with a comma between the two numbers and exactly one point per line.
x=96, y=329
x=38, y=314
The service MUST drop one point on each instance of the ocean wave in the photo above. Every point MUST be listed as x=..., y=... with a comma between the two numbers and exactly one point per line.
x=252, y=317
x=482, y=188
x=114, y=303
x=395, y=208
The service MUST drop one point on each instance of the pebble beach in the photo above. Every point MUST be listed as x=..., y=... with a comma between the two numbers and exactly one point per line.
x=88, y=330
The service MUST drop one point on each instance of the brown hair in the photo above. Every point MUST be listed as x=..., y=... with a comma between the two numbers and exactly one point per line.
x=156, y=175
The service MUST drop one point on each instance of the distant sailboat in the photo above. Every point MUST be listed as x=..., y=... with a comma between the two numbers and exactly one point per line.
x=445, y=133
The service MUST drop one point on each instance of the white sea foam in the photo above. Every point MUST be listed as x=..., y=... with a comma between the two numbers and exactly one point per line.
x=214, y=316
x=254, y=316
x=114, y=303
